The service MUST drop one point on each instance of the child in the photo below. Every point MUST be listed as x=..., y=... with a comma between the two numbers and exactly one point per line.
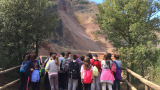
x=35, y=78
x=106, y=75
x=79, y=80
x=87, y=76
x=96, y=81
x=24, y=75
x=117, y=81
x=78, y=60
x=53, y=67
x=73, y=70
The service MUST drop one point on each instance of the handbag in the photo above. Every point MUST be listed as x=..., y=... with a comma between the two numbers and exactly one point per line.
x=41, y=69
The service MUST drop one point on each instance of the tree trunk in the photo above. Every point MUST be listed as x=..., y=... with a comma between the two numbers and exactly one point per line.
x=37, y=46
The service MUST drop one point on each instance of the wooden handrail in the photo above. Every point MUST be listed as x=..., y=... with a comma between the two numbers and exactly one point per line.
x=130, y=85
x=9, y=84
x=146, y=82
x=11, y=69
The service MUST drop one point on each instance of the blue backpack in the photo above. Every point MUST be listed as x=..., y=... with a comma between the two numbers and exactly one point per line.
x=24, y=66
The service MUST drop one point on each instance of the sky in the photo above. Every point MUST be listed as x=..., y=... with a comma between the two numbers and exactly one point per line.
x=100, y=1
x=97, y=1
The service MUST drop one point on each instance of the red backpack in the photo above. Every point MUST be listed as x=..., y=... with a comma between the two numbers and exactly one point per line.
x=87, y=76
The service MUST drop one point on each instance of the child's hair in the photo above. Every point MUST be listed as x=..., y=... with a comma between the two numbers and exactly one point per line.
x=108, y=57
x=33, y=57
x=87, y=63
x=116, y=56
x=24, y=55
x=89, y=55
x=82, y=58
x=56, y=59
x=27, y=57
x=67, y=54
x=50, y=54
x=104, y=57
x=63, y=54
x=75, y=57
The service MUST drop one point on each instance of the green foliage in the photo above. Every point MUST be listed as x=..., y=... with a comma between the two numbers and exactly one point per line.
x=130, y=27
x=24, y=24
x=128, y=22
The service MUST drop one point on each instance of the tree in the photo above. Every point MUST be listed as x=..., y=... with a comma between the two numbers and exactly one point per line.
x=23, y=24
x=129, y=23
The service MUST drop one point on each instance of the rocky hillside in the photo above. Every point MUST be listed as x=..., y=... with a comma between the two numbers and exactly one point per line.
x=75, y=29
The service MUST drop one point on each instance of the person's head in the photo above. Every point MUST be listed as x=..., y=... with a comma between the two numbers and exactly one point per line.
x=50, y=53
x=82, y=58
x=62, y=54
x=108, y=57
x=95, y=56
x=27, y=57
x=104, y=57
x=34, y=57
x=54, y=57
x=89, y=55
x=116, y=56
x=74, y=57
x=77, y=56
x=86, y=63
x=68, y=54
x=24, y=55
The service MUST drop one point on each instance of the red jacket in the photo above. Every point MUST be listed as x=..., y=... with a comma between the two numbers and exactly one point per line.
x=96, y=63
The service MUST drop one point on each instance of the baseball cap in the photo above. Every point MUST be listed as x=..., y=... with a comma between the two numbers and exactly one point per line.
x=95, y=55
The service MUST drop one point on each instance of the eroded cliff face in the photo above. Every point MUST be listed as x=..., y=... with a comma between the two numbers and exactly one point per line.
x=76, y=27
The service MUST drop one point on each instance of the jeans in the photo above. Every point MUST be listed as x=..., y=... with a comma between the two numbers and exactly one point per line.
x=72, y=84
x=116, y=81
x=23, y=81
x=53, y=79
x=86, y=86
x=35, y=85
x=104, y=84
x=46, y=82
x=96, y=83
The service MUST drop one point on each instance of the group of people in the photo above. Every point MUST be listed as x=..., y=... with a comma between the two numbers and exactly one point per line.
x=71, y=73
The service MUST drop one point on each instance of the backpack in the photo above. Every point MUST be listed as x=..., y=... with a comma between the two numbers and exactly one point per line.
x=73, y=70
x=87, y=76
x=113, y=68
x=95, y=70
x=41, y=69
x=61, y=68
x=24, y=66
x=49, y=59
x=67, y=61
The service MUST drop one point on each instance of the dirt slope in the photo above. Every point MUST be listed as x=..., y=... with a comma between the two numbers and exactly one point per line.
x=77, y=33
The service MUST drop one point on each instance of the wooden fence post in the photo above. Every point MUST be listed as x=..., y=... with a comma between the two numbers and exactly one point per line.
x=1, y=76
x=146, y=86
x=128, y=80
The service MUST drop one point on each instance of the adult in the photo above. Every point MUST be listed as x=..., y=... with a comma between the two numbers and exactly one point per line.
x=107, y=78
x=96, y=82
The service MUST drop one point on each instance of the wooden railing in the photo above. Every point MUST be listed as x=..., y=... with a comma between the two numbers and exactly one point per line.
x=7, y=71
x=147, y=83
